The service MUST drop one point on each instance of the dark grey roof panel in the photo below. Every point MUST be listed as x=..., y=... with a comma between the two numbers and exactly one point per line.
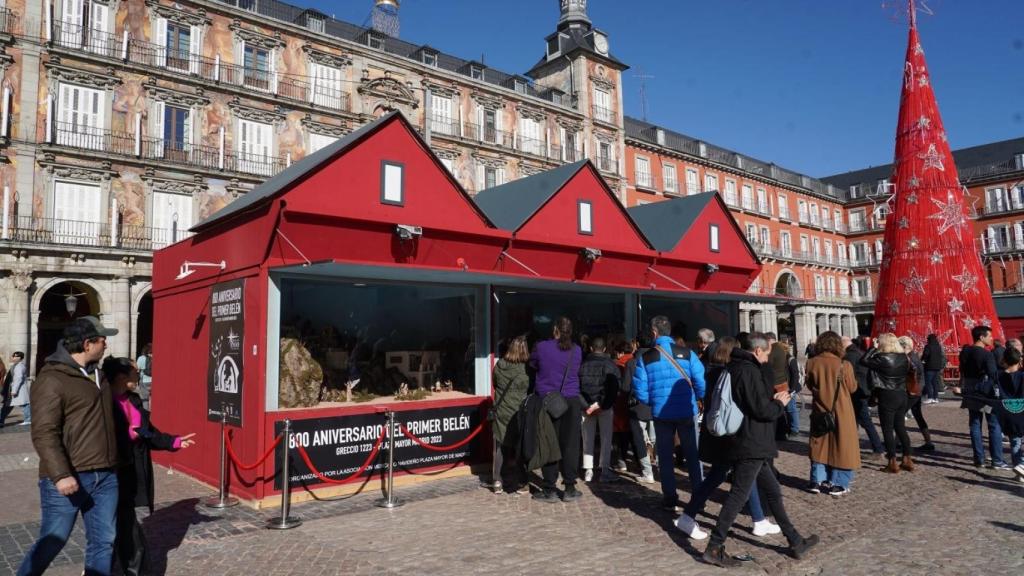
x=665, y=223
x=993, y=153
x=293, y=173
x=510, y=205
x=1009, y=306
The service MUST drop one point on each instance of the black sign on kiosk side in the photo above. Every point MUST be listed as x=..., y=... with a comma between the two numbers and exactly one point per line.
x=339, y=445
x=224, y=376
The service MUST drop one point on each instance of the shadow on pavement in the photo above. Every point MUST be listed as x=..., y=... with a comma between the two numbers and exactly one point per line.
x=1008, y=485
x=1007, y=526
x=166, y=528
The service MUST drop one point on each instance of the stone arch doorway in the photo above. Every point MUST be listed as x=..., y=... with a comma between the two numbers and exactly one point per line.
x=788, y=285
x=144, y=324
x=58, y=305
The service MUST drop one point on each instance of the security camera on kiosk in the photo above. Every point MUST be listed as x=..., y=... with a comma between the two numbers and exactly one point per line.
x=407, y=232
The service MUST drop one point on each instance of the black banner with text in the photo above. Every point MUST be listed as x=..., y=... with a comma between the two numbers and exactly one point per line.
x=339, y=445
x=224, y=375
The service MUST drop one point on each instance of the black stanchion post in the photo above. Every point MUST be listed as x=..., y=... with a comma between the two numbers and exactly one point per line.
x=390, y=501
x=284, y=522
x=222, y=500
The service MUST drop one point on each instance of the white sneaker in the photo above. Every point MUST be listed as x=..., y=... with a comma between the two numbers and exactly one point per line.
x=588, y=475
x=766, y=527
x=690, y=528
x=647, y=479
x=1019, y=469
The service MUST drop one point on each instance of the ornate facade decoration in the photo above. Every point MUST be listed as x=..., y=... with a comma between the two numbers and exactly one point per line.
x=602, y=82
x=388, y=89
x=19, y=280
x=443, y=90
x=255, y=114
x=604, y=136
x=532, y=113
x=336, y=130
x=175, y=14
x=102, y=172
x=489, y=161
x=570, y=124
x=487, y=101
x=446, y=153
x=60, y=72
x=174, y=96
x=326, y=58
x=256, y=38
x=173, y=185
x=529, y=170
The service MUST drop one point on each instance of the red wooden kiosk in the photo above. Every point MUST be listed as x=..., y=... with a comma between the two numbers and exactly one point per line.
x=368, y=258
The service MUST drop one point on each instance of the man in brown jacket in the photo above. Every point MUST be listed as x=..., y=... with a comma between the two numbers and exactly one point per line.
x=73, y=433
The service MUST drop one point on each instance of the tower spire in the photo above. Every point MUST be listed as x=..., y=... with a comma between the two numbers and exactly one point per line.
x=574, y=13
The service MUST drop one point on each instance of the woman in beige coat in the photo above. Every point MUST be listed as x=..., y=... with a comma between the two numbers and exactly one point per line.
x=836, y=455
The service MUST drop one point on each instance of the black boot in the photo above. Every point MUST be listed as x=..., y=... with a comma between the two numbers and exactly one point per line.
x=799, y=549
x=716, y=554
x=927, y=446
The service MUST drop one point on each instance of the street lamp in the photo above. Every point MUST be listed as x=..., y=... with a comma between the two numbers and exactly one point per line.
x=71, y=301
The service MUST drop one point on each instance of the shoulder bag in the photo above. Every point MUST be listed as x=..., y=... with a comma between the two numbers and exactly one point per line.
x=913, y=379
x=554, y=403
x=668, y=355
x=824, y=423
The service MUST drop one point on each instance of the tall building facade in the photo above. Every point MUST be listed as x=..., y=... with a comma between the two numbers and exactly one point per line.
x=125, y=122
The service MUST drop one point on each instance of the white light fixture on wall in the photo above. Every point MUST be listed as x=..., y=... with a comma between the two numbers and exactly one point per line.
x=188, y=268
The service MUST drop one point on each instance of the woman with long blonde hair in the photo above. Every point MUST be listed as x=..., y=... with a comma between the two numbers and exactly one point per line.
x=889, y=366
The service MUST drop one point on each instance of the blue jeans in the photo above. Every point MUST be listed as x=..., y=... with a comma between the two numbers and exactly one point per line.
x=793, y=411
x=931, y=383
x=96, y=500
x=835, y=476
x=666, y=430
x=995, y=437
x=716, y=475
x=860, y=406
x=1017, y=450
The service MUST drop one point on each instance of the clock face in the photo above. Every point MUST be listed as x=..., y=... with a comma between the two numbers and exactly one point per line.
x=601, y=44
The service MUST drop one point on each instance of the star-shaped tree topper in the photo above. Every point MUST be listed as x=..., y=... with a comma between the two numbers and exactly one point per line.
x=950, y=215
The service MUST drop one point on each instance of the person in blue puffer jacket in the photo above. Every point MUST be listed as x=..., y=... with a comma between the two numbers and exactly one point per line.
x=674, y=401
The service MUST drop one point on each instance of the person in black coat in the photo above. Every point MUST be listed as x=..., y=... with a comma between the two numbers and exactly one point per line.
x=599, y=386
x=751, y=450
x=136, y=436
x=854, y=352
x=889, y=367
x=934, y=359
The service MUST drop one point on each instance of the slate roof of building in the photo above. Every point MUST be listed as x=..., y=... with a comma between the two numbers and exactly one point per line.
x=665, y=223
x=510, y=205
x=994, y=154
x=297, y=171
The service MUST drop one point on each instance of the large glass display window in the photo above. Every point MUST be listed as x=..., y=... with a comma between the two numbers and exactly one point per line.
x=689, y=316
x=534, y=313
x=360, y=341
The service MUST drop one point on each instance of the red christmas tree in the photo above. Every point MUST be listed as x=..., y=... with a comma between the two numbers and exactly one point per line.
x=931, y=280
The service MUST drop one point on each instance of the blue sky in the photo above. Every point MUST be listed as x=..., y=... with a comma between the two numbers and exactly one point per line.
x=812, y=85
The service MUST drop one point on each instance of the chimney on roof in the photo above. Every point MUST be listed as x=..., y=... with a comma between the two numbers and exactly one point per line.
x=1018, y=161
x=385, y=17
x=659, y=135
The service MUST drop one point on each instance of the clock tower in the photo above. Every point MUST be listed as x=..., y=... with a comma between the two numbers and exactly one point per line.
x=580, y=70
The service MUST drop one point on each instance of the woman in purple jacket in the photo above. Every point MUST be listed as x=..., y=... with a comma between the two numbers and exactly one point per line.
x=556, y=366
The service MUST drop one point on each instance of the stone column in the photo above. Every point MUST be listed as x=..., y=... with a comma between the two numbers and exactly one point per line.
x=120, y=317
x=744, y=320
x=15, y=291
x=803, y=323
x=821, y=321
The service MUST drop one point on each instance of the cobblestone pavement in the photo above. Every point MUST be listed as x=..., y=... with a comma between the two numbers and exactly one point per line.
x=946, y=518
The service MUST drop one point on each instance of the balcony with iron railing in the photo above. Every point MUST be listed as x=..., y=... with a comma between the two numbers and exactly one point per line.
x=864, y=261
x=606, y=164
x=671, y=186
x=996, y=247
x=762, y=208
x=532, y=146
x=824, y=296
x=603, y=114
x=9, y=21
x=644, y=180
x=445, y=125
x=487, y=134
x=859, y=226
x=32, y=230
x=797, y=256
x=784, y=213
x=566, y=154
x=321, y=93
x=135, y=145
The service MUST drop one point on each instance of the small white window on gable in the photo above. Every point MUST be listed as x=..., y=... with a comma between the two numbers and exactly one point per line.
x=585, y=220
x=392, y=183
x=713, y=235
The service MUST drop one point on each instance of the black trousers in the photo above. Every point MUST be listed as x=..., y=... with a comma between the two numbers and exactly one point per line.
x=130, y=542
x=569, y=440
x=915, y=409
x=892, y=409
x=745, y=473
x=633, y=438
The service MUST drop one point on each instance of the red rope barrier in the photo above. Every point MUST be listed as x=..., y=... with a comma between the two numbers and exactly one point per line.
x=234, y=457
x=354, y=475
x=458, y=444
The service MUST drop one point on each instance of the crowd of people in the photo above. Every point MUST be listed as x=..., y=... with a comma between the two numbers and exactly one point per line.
x=648, y=400
x=93, y=434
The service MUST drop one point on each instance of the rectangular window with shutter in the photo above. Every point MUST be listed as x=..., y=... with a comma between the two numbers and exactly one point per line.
x=176, y=132
x=71, y=28
x=99, y=39
x=255, y=147
x=603, y=106
x=319, y=141
x=783, y=203
x=668, y=172
x=710, y=183
x=442, y=119
x=643, y=172
x=179, y=46
x=76, y=213
x=747, y=197
x=256, y=64
x=81, y=114
x=730, y=192
x=692, y=183
x=171, y=218
x=531, y=140
x=326, y=82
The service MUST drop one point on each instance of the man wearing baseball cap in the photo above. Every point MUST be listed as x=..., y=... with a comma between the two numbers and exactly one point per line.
x=73, y=433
